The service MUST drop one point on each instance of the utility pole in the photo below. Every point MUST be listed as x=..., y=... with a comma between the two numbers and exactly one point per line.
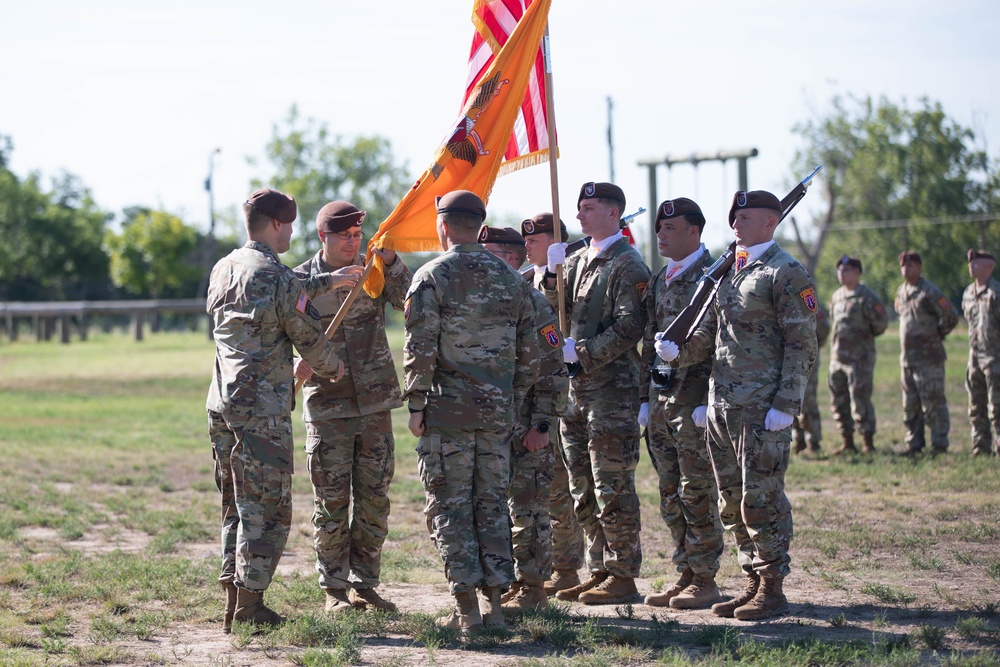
x=208, y=253
x=611, y=142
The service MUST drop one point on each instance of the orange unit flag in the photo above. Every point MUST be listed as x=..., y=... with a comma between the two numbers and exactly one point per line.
x=473, y=150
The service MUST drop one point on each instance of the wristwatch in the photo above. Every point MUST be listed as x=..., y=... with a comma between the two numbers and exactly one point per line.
x=543, y=427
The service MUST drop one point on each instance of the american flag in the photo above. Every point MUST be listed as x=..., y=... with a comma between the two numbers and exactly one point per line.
x=495, y=20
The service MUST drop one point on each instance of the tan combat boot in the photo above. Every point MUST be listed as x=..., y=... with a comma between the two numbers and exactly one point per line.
x=465, y=617
x=572, y=594
x=529, y=598
x=869, y=446
x=663, y=599
x=769, y=601
x=512, y=592
x=230, y=589
x=702, y=593
x=613, y=590
x=848, y=446
x=337, y=601
x=491, y=608
x=726, y=609
x=250, y=608
x=360, y=598
x=561, y=580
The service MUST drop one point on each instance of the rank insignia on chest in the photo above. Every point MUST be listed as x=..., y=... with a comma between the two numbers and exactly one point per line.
x=809, y=298
x=550, y=335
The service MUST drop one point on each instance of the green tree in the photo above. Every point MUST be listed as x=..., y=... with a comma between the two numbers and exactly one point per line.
x=315, y=167
x=894, y=178
x=154, y=252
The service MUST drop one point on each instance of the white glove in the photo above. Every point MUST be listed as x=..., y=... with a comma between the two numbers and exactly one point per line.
x=643, y=415
x=556, y=255
x=666, y=349
x=700, y=416
x=569, y=351
x=777, y=420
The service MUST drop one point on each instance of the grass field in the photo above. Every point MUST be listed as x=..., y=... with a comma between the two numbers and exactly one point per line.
x=108, y=532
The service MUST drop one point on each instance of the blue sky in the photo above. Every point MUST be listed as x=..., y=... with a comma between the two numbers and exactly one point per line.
x=134, y=96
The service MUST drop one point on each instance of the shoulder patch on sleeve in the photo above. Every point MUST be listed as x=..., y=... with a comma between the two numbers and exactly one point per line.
x=809, y=298
x=944, y=303
x=304, y=306
x=550, y=335
x=879, y=309
x=642, y=288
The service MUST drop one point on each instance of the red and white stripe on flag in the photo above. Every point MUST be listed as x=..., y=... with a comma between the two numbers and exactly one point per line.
x=495, y=20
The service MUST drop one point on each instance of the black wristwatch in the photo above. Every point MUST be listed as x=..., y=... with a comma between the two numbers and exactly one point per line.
x=543, y=427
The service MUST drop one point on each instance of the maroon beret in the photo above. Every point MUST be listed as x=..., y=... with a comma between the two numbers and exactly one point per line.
x=910, y=256
x=675, y=208
x=461, y=201
x=339, y=216
x=274, y=204
x=542, y=224
x=601, y=191
x=753, y=199
x=846, y=260
x=500, y=236
x=980, y=254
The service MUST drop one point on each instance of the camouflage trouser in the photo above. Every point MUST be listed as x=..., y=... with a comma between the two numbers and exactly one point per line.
x=983, y=384
x=567, y=535
x=924, y=402
x=851, y=397
x=466, y=476
x=601, y=443
x=689, y=498
x=350, y=459
x=531, y=530
x=808, y=422
x=256, y=496
x=750, y=465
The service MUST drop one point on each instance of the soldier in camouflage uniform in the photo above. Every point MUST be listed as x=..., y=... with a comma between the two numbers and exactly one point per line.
x=567, y=534
x=762, y=326
x=981, y=305
x=259, y=310
x=807, y=429
x=925, y=318
x=674, y=415
x=350, y=450
x=858, y=317
x=603, y=285
x=470, y=356
x=532, y=453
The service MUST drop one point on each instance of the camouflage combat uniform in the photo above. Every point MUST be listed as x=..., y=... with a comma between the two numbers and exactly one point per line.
x=532, y=475
x=600, y=434
x=807, y=427
x=678, y=449
x=925, y=318
x=858, y=317
x=762, y=326
x=259, y=309
x=350, y=450
x=982, y=376
x=471, y=353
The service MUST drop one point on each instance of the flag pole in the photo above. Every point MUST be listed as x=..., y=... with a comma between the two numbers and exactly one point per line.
x=550, y=121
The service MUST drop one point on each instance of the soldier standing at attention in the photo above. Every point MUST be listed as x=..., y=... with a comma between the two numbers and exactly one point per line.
x=259, y=310
x=925, y=318
x=858, y=317
x=673, y=411
x=532, y=454
x=470, y=356
x=981, y=305
x=762, y=325
x=567, y=535
x=807, y=429
x=350, y=450
x=604, y=285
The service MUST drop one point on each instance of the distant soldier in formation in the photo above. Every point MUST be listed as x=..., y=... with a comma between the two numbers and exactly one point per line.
x=471, y=354
x=673, y=411
x=532, y=454
x=807, y=429
x=925, y=318
x=567, y=535
x=762, y=327
x=350, y=450
x=858, y=317
x=259, y=310
x=603, y=285
x=981, y=305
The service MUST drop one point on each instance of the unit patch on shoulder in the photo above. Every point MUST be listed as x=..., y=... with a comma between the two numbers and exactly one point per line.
x=406, y=308
x=944, y=303
x=879, y=309
x=641, y=287
x=809, y=298
x=304, y=306
x=550, y=335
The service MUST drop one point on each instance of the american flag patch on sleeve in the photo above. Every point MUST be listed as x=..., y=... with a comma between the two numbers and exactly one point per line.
x=302, y=303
